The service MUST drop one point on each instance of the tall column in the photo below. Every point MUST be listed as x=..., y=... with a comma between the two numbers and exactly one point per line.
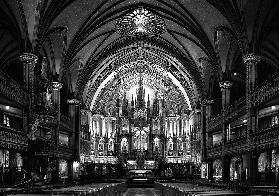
x=251, y=61
x=98, y=127
x=210, y=170
x=252, y=167
x=74, y=111
x=56, y=87
x=206, y=112
x=175, y=128
x=29, y=61
x=225, y=88
x=226, y=168
x=226, y=93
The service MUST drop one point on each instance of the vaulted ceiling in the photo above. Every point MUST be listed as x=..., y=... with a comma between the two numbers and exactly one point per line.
x=79, y=41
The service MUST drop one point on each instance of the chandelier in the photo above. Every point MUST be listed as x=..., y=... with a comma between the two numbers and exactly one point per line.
x=140, y=21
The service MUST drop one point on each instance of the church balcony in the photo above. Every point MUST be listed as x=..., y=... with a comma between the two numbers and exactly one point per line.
x=65, y=151
x=266, y=138
x=66, y=122
x=47, y=147
x=12, y=138
x=12, y=90
x=215, y=122
x=215, y=150
x=236, y=145
x=266, y=91
x=233, y=111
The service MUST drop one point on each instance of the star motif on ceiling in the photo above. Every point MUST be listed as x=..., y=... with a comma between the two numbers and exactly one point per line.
x=140, y=22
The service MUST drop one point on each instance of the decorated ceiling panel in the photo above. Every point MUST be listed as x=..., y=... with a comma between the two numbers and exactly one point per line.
x=94, y=38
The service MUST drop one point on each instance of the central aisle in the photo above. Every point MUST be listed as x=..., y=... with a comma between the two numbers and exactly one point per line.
x=141, y=192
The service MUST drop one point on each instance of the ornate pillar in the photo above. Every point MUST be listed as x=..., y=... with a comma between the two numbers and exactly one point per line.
x=205, y=115
x=251, y=61
x=56, y=87
x=210, y=170
x=252, y=167
x=226, y=93
x=225, y=88
x=74, y=111
x=104, y=127
x=226, y=168
x=29, y=61
x=175, y=128
x=98, y=127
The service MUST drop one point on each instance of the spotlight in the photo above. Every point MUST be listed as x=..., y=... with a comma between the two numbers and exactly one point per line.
x=7, y=107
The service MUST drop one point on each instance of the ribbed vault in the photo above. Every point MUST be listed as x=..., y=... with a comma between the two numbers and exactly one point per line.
x=157, y=59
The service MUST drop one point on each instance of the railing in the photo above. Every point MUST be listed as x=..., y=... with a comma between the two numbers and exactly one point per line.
x=229, y=112
x=215, y=121
x=268, y=135
x=215, y=149
x=13, y=138
x=12, y=90
x=231, y=146
x=236, y=145
x=266, y=91
x=66, y=121
x=235, y=109
x=63, y=149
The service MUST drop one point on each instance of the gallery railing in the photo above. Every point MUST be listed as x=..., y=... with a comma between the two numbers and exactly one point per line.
x=13, y=138
x=215, y=121
x=66, y=121
x=215, y=150
x=12, y=90
x=233, y=111
x=236, y=145
x=266, y=91
x=267, y=136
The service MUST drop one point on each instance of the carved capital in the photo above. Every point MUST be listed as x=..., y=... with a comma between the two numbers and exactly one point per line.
x=207, y=102
x=28, y=58
x=56, y=85
x=225, y=84
x=73, y=102
x=251, y=58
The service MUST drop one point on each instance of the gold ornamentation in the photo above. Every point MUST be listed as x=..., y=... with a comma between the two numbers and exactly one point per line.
x=73, y=101
x=28, y=58
x=56, y=85
x=225, y=84
x=251, y=58
x=207, y=102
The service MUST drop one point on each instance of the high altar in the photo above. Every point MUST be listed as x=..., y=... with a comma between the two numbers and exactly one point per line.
x=140, y=127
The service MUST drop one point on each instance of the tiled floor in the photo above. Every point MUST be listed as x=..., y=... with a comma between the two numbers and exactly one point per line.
x=120, y=189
